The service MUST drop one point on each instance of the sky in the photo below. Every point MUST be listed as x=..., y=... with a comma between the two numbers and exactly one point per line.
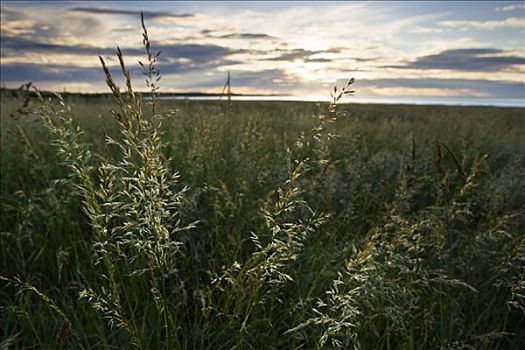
x=396, y=51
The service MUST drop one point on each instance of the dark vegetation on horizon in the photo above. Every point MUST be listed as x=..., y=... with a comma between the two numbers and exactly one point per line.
x=132, y=223
x=33, y=94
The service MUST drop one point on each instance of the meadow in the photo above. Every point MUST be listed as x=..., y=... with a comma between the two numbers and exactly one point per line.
x=139, y=223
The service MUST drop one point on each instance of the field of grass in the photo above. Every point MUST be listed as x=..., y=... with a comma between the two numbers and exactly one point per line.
x=260, y=225
x=264, y=225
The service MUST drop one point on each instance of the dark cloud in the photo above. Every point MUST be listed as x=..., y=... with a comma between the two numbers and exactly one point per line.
x=291, y=55
x=246, y=36
x=344, y=71
x=16, y=46
x=466, y=60
x=272, y=79
x=209, y=34
x=369, y=59
x=318, y=60
x=196, y=54
x=199, y=58
x=17, y=72
x=496, y=89
x=195, y=58
x=147, y=14
x=181, y=68
x=276, y=80
x=268, y=79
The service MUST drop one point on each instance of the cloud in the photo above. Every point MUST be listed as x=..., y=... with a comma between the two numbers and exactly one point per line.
x=318, y=60
x=208, y=33
x=43, y=23
x=291, y=55
x=14, y=72
x=301, y=54
x=365, y=59
x=511, y=8
x=186, y=78
x=264, y=79
x=512, y=22
x=17, y=46
x=426, y=30
x=8, y=14
x=193, y=53
x=444, y=87
x=174, y=59
x=466, y=60
x=200, y=63
x=246, y=36
x=194, y=66
x=20, y=72
x=147, y=14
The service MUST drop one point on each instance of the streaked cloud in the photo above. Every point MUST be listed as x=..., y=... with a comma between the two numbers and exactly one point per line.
x=20, y=72
x=17, y=46
x=246, y=36
x=511, y=22
x=301, y=54
x=265, y=79
x=511, y=8
x=443, y=87
x=197, y=53
x=470, y=60
x=226, y=33
x=149, y=14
